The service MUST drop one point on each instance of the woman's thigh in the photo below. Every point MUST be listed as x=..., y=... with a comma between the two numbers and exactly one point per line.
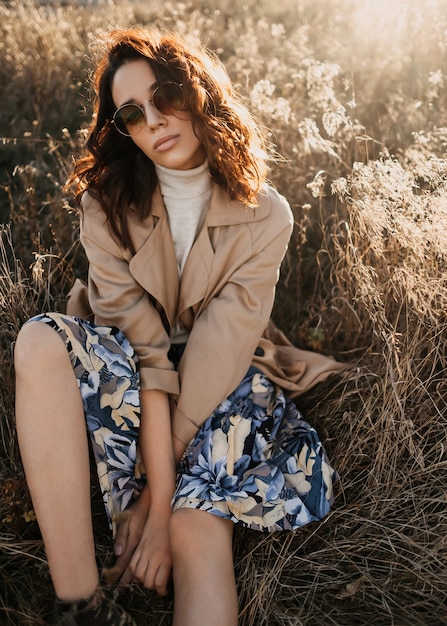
x=106, y=369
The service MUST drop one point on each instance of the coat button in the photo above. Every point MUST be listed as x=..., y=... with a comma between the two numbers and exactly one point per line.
x=259, y=351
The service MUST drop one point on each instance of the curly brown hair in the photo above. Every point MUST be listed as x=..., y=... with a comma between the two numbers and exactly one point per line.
x=119, y=175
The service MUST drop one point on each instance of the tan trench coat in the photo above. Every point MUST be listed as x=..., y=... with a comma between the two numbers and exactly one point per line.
x=224, y=299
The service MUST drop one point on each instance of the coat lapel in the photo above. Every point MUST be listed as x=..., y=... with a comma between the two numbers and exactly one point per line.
x=196, y=273
x=154, y=265
x=195, y=281
x=195, y=284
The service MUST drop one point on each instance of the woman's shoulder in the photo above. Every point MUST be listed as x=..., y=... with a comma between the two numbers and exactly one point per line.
x=94, y=224
x=90, y=204
x=275, y=205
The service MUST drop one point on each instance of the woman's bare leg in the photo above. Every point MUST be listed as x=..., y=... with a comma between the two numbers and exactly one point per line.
x=204, y=584
x=53, y=443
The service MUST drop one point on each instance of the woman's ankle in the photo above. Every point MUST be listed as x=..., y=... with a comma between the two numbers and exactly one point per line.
x=77, y=592
x=98, y=610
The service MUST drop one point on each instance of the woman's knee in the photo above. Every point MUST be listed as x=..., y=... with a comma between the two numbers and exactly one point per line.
x=177, y=533
x=36, y=344
x=191, y=530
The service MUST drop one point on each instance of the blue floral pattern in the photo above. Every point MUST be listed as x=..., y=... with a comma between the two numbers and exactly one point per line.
x=255, y=460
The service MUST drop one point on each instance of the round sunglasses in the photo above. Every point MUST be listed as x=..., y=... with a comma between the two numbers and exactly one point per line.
x=130, y=119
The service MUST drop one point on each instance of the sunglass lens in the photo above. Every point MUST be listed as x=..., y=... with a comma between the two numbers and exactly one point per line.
x=168, y=97
x=129, y=119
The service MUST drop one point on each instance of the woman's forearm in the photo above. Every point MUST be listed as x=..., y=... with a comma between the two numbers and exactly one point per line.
x=150, y=561
x=157, y=449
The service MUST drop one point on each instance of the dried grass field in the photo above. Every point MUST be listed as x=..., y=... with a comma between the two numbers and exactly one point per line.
x=354, y=93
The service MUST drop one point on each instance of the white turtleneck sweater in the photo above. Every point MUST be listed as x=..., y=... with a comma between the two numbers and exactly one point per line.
x=186, y=195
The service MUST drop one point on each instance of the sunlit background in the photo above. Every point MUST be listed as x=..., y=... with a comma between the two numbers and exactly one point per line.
x=353, y=93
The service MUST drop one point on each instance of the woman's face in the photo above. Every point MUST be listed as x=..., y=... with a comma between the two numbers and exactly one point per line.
x=167, y=139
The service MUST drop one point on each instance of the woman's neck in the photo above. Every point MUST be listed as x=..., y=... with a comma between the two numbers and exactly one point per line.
x=182, y=184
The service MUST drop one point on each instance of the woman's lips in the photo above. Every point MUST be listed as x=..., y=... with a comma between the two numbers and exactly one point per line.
x=165, y=143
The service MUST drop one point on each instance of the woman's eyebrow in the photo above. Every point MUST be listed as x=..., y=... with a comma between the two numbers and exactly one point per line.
x=151, y=90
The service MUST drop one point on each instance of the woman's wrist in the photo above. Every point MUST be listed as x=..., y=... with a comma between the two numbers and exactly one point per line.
x=159, y=514
x=161, y=508
x=143, y=502
x=161, y=501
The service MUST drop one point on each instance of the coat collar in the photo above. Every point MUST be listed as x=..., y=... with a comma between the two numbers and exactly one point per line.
x=222, y=211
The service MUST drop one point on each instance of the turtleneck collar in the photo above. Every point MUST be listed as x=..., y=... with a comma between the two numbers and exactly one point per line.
x=182, y=184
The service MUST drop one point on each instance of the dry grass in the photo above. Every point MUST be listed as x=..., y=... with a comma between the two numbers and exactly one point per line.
x=354, y=94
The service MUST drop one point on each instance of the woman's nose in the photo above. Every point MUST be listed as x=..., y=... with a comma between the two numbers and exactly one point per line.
x=154, y=117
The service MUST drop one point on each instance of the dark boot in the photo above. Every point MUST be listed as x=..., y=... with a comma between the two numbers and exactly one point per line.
x=99, y=610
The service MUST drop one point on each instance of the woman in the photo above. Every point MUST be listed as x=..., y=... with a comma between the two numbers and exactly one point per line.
x=170, y=356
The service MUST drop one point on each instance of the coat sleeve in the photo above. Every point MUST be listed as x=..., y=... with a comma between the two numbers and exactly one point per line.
x=228, y=330
x=117, y=299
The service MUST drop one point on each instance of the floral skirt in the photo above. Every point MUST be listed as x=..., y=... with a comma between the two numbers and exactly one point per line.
x=255, y=461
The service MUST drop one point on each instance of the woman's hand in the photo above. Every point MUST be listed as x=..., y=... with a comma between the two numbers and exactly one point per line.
x=151, y=562
x=130, y=529
x=142, y=547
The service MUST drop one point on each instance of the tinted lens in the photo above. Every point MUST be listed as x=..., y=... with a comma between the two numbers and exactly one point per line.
x=168, y=97
x=129, y=119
